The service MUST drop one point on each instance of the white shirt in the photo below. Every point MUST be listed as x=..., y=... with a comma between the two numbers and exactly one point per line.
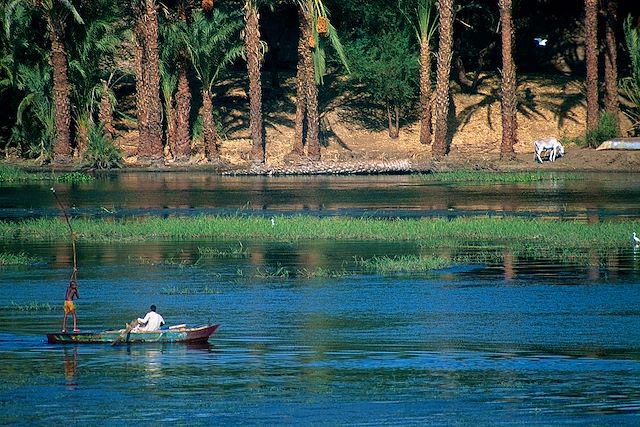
x=151, y=322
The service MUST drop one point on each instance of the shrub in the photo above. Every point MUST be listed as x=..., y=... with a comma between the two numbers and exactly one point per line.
x=606, y=129
x=101, y=153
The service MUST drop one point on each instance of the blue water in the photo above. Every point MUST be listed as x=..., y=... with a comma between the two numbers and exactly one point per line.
x=460, y=346
x=538, y=341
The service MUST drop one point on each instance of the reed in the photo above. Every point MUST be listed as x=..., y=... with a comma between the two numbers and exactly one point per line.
x=10, y=173
x=401, y=264
x=31, y=306
x=232, y=252
x=497, y=177
x=430, y=232
x=21, y=258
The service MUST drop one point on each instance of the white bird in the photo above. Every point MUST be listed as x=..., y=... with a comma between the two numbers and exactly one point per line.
x=636, y=239
x=273, y=223
x=542, y=42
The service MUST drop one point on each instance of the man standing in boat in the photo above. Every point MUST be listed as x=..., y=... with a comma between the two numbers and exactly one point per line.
x=151, y=322
x=69, y=308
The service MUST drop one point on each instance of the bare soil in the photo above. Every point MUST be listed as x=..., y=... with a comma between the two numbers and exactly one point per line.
x=353, y=133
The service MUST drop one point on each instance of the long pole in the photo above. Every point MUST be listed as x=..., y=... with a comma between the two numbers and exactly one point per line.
x=73, y=237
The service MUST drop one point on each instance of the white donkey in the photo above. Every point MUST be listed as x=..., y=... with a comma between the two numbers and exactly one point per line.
x=550, y=145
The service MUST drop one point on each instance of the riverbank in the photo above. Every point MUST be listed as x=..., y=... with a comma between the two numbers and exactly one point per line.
x=354, y=138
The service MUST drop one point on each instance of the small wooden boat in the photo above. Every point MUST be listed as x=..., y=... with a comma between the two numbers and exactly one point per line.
x=175, y=334
x=620, y=144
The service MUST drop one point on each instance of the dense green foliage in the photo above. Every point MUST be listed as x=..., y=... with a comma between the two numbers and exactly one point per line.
x=386, y=68
x=99, y=46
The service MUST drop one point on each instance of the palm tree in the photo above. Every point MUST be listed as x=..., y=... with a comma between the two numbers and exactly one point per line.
x=427, y=25
x=148, y=81
x=509, y=100
x=174, y=70
x=91, y=62
x=309, y=88
x=212, y=44
x=55, y=13
x=611, y=103
x=254, y=49
x=183, y=94
x=36, y=106
x=591, y=43
x=315, y=33
x=255, y=55
x=445, y=52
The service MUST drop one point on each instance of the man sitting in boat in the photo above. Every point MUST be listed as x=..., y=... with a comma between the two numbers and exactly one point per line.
x=151, y=322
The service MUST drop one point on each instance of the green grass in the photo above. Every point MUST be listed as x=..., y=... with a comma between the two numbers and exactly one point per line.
x=496, y=177
x=429, y=232
x=10, y=173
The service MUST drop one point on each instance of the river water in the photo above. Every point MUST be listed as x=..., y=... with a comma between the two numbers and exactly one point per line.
x=534, y=341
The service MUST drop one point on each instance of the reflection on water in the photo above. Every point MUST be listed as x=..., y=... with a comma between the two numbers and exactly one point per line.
x=70, y=358
x=595, y=196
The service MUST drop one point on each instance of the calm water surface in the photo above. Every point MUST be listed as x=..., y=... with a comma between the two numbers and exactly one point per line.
x=594, y=195
x=534, y=341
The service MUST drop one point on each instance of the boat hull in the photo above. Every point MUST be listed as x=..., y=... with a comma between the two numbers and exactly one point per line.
x=183, y=335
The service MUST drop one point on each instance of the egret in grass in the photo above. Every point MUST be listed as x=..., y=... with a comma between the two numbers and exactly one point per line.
x=636, y=239
x=273, y=223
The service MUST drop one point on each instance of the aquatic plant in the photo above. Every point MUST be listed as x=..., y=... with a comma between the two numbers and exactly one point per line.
x=177, y=290
x=75, y=177
x=401, y=264
x=496, y=177
x=233, y=252
x=21, y=258
x=273, y=273
x=430, y=231
x=9, y=173
x=31, y=306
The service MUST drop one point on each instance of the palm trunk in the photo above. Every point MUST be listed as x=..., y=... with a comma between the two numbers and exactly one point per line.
x=62, y=150
x=425, y=90
x=183, y=110
x=209, y=127
x=254, y=64
x=591, y=43
x=141, y=106
x=152, y=80
x=311, y=92
x=445, y=11
x=301, y=96
x=105, y=112
x=509, y=100
x=170, y=147
x=611, y=104
x=82, y=134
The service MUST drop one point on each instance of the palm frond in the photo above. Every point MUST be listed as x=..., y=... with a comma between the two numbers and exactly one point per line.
x=72, y=9
x=213, y=42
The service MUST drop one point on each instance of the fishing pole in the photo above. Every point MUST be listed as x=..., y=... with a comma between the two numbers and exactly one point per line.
x=73, y=238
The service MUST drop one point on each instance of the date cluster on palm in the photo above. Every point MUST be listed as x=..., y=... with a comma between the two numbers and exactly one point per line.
x=207, y=5
x=323, y=26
